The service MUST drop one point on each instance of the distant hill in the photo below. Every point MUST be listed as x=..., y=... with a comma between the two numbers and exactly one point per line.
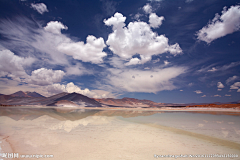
x=4, y=97
x=132, y=102
x=213, y=105
x=129, y=102
x=26, y=94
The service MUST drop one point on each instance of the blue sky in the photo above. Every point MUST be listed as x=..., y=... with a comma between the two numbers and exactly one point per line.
x=169, y=51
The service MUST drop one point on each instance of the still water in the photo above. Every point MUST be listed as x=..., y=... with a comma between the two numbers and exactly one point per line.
x=74, y=134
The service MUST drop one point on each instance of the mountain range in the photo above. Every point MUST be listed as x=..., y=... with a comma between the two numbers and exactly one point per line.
x=76, y=100
x=61, y=99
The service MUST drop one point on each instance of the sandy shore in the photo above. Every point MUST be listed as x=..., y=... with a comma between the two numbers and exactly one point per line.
x=101, y=137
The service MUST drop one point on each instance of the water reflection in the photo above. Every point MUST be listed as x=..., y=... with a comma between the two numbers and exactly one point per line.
x=76, y=114
x=116, y=134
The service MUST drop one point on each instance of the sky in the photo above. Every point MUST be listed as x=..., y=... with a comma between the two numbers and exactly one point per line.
x=168, y=51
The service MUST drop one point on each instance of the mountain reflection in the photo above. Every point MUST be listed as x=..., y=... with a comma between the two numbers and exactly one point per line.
x=64, y=114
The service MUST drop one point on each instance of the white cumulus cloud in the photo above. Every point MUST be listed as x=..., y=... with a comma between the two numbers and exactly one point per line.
x=40, y=7
x=198, y=91
x=236, y=85
x=45, y=76
x=92, y=51
x=147, y=8
x=220, y=85
x=166, y=62
x=12, y=65
x=133, y=61
x=137, y=38
x=55, y=27
x=117, y=21
x=221, y=26
x=155, y=21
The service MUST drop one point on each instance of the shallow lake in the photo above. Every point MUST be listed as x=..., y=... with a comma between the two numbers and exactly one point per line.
x=74, y=134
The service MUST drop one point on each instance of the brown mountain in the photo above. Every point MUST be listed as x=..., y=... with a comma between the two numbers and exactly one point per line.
x=52, y=99
x=26, y=94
